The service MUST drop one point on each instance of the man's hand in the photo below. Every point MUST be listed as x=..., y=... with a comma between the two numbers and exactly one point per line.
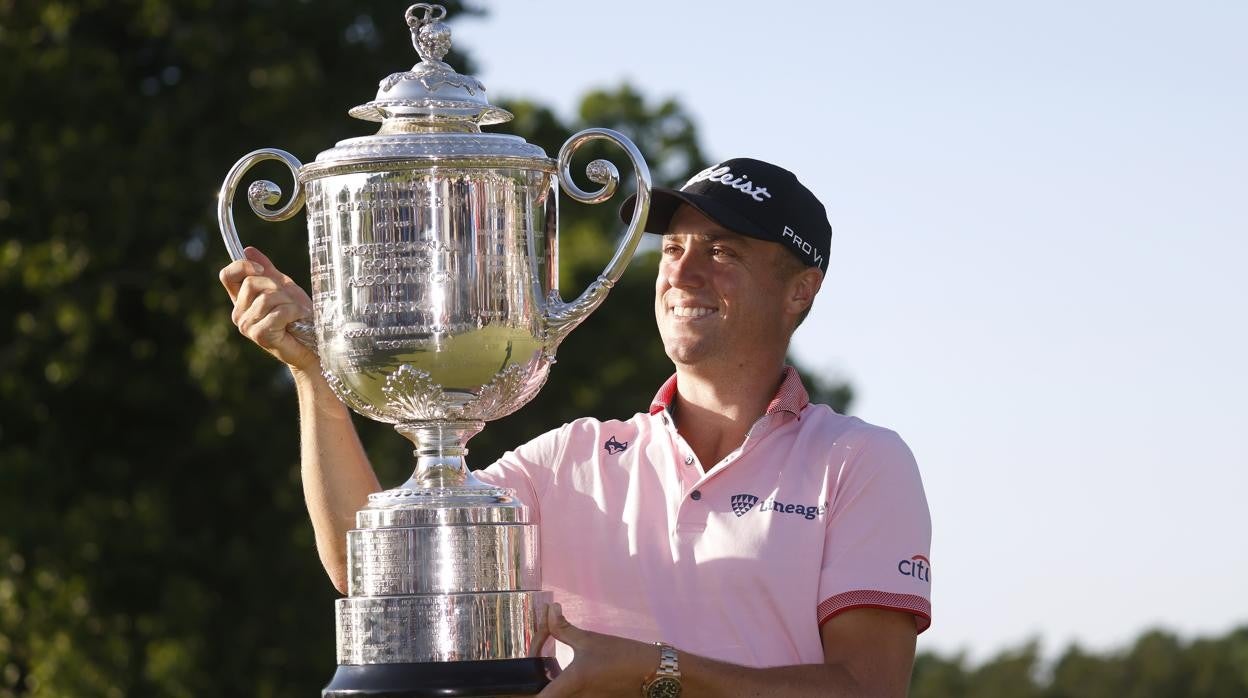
x=604, y=665
x=265, y=302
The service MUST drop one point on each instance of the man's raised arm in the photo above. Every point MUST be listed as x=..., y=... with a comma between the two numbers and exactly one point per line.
x=336, y=474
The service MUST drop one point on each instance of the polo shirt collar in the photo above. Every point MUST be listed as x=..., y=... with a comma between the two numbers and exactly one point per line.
x=790, y=397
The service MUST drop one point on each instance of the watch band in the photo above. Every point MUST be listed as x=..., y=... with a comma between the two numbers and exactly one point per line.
x=665, y=681
x=669, y=661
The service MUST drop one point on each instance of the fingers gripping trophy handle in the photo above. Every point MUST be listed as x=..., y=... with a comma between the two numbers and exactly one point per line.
x=563, y=317
x=261, y=196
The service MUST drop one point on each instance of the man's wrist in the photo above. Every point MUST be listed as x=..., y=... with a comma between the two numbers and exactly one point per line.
x=305, y=376
x=314, y=391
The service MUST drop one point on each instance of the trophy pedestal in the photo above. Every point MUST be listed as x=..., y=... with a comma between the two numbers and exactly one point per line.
x=494, y=678
x=444, y=586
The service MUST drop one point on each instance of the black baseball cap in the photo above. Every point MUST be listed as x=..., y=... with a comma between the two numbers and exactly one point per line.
x=752, y=198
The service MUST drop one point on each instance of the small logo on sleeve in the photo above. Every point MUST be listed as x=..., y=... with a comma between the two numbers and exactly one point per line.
x=742, y=503
x=614, y=446
x=917, y=567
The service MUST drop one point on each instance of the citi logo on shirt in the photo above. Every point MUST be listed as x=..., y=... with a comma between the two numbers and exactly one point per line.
x=742, y=503
x=918, y=567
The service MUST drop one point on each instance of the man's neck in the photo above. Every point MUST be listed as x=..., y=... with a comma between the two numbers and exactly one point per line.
x=715, y=412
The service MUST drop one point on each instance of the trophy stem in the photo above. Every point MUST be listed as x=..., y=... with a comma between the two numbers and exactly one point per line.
x=440, y=452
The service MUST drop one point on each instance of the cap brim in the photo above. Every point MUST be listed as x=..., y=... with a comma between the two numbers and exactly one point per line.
x=663, y=205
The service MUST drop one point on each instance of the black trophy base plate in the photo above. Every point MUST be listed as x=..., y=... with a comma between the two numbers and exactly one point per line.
x=493, y=677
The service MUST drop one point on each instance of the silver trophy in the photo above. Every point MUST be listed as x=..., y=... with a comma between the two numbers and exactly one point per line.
x=436, y=308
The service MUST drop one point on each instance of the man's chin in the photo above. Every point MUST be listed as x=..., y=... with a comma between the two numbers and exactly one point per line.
x=686, y=353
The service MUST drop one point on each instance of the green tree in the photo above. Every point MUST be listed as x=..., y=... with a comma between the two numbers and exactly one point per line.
x=938, y=677
x=1010, y=673
x=153, y=539
x=1219, y=665
x=1079, y=674
x=1157, y=665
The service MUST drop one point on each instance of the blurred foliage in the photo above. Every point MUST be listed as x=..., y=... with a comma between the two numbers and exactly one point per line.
x=1157, y=665
x=153, y=540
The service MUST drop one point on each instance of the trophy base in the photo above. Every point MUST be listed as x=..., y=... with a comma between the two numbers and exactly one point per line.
x=490, y=678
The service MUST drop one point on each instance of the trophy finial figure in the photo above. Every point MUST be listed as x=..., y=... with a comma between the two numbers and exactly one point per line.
x=430, y=36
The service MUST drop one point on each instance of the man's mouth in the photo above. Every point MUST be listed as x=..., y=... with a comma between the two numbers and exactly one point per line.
x=692, y=312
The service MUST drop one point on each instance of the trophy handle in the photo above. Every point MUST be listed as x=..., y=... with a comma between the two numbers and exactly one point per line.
x=562, y=317
x=261, y=195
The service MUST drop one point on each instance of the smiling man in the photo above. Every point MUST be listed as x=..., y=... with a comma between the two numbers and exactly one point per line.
x=734, y=539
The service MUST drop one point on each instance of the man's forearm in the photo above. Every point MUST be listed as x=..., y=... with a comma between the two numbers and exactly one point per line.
x=337, y=477
x=702, y=677
x=607, y=665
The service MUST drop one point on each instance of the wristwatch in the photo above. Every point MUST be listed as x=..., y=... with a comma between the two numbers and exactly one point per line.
x=665, y=681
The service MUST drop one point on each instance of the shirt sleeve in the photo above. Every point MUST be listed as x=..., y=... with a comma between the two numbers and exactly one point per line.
x=527, y=470
x=877, y=549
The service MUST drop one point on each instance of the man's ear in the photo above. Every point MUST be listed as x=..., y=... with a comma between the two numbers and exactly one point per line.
x=802, y=289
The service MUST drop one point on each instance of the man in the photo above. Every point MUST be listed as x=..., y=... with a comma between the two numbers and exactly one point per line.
x=775, y=547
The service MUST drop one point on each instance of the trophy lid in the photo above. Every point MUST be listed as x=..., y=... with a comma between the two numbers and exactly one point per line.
x=432, y=90
x=428, y=111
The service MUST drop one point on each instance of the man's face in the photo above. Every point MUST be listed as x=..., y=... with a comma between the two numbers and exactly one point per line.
x=719, y=296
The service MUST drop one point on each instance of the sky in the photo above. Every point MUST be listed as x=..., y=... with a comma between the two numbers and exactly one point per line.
x=1037, y=275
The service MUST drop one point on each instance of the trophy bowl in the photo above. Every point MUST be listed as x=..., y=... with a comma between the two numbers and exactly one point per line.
x=436, y=308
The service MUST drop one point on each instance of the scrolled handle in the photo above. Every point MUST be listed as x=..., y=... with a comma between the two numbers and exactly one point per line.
x=423, y=13
x=563, y=317
x=603, y=172
x=262, y=195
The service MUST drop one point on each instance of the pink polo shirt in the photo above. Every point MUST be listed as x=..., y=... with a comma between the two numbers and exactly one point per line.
x=814, y=514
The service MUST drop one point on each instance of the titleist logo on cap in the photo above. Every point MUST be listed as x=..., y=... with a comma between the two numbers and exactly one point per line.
x=721, y=174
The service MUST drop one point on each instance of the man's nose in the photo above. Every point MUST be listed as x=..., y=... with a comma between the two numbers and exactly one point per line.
x=684, y=271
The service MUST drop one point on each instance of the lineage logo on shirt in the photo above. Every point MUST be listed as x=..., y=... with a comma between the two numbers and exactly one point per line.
x=743, y=503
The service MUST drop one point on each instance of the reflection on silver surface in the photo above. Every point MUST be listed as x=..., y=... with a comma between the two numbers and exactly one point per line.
x=442, y=559
x=429, y=286
x=437, y=628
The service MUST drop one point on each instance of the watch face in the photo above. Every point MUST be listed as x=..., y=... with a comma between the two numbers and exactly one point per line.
x=664, y=687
